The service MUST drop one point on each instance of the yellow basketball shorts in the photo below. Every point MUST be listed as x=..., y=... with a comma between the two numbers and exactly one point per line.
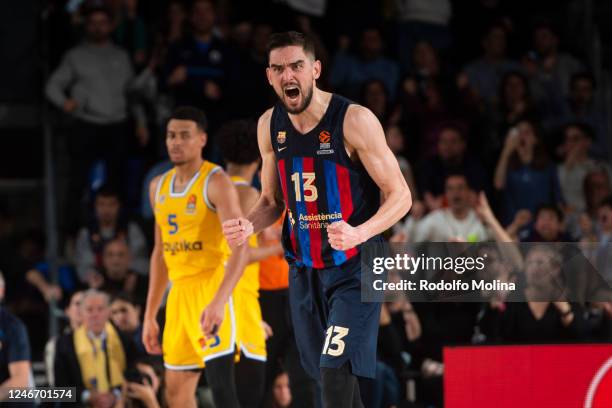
x=183, y=344
x=251, y=335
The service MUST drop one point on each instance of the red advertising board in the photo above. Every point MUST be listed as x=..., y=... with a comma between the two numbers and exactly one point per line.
x=555, y=376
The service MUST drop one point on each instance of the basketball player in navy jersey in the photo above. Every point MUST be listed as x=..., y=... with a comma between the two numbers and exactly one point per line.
x=326, y=161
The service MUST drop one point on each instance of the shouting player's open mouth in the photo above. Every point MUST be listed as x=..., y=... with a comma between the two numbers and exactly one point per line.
x=292, y=92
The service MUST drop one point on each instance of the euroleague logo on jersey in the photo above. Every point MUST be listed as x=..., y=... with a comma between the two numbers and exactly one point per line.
x=599, y=394
x=325, y=143
x=191, y=204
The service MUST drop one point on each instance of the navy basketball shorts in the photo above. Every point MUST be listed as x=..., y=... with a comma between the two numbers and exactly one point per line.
x=332, y=325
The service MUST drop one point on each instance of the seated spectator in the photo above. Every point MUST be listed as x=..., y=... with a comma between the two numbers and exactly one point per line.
x=375, y=97
x=94, y=357
x=583, y=106
x=125, y=315
x=39, y=277
x=576, y=165
x=485, y=73
x=599, y=321
x=349, y=72
x=144, y=385
x=457, y=222
x=108, y=224
x=597, y=187
x=281, y=392
x=524, y=173
x=73, y=313
x=549, y=70
x=601, y=234
x=15, y=366
x=422, y=20
x=396, y=142
x=544, y=316
x=451, y=157
x=514, y=104
x=115, y=275
x=547, y=227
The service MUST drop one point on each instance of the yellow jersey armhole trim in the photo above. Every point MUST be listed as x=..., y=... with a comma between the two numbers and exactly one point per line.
x=205, y=190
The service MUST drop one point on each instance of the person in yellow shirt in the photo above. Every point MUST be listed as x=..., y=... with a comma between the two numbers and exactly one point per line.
x=190, y=202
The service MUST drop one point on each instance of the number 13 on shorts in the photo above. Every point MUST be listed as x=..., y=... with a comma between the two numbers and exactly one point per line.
x=334, y=345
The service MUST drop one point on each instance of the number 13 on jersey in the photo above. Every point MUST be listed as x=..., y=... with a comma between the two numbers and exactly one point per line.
x=307, y=184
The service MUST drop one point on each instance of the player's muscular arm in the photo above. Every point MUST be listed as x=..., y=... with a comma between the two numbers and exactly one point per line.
x=270, y=204
x=248, y=198
x=223, y=195
x=158, y=281
x=365, y=137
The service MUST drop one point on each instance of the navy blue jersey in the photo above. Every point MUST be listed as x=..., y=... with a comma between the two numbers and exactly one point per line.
x=320, y=185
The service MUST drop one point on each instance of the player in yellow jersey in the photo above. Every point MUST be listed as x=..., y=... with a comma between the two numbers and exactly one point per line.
x=190, y=201
x=238, y=143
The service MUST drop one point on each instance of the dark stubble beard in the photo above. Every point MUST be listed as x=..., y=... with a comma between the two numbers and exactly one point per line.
x=302, y=107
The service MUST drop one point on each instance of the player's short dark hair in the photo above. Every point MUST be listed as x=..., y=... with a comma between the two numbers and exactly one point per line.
x=238, y=141
x=289, y=38
x=190, y=113
x=584, y=128
x=549, y=207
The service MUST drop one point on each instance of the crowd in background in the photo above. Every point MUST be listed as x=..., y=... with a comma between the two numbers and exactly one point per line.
x=493, y=114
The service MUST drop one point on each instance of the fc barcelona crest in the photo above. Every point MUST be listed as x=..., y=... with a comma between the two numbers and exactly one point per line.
x=281, y=137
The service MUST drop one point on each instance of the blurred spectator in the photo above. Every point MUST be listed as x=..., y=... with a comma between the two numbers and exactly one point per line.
x=73, y=313
x=91, y=84
x=514, y=104
x=199, y=67
x=544, y=316
x=597, y=187
x=374, y=96
x=108, y=224
x=599, y=321
x=601, y=233
x=94, y=357
x=15, y=368
x=396, y=142
x=524, y=172
x=115, y=275
x=549, y=70
x=144, y=386
x=547, y=226
x=40, y=277
x=425, y=64
x=577, y=164
x=281, y=392
x=451, y=157
x=422, y=20
x=349, y=72
x=583, y=106
x=252, y=79
x=125, y=315
x=485, y=73
x=457, y=222
x=131, y=34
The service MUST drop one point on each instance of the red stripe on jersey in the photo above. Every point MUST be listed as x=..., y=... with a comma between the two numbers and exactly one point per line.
x=283, y=180
x=346, y=200
x=312, y=209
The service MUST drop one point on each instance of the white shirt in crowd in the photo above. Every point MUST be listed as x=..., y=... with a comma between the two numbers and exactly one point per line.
x=442, y=226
